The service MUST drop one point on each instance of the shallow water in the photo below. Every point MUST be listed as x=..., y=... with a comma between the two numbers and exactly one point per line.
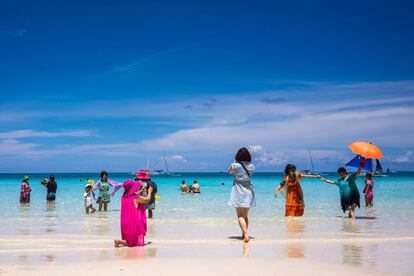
x=196, y=219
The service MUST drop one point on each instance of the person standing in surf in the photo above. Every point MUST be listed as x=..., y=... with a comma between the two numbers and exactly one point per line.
x=104, y=196
x=368, y=190
x=144, y=177
x=348, y=189
x=103, y=186
x=51, y=187
x=242, y=195
x=25, y=191
x=295, y=202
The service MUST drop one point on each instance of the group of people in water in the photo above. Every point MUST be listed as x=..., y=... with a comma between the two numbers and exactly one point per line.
x=139, y=195
x=242, y=195
x=195, y=188
x=50, y=185
x=104, y=185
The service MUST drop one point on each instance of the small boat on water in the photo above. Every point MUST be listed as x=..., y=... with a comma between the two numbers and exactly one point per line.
x=164, y=168
x=310, y=172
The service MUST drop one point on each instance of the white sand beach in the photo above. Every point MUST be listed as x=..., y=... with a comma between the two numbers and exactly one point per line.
x=190, y=266
x=82, y=254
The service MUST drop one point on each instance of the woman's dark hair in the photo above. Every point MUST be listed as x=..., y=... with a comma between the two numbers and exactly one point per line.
x=183, y=182
x=289, y=167
x=243, y=155
x=369, y=176
x=195, y=181
x=342, y=170
x=104, y=173
x=52, y=179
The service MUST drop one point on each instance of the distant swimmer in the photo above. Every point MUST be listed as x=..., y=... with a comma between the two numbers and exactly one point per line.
x=195, y=187
x=183, y=187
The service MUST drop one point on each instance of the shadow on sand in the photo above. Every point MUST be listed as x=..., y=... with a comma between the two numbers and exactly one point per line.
x=361, y=217
x=238, y=238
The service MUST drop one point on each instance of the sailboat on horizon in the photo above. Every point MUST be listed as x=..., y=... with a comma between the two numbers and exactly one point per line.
x=164, y=168
x=310, y=172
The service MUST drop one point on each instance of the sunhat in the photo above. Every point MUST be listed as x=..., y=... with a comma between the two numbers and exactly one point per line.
x=88, y=185
x=142, y=175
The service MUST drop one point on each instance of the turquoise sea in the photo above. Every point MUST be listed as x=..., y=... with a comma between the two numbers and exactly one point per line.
x=206, y=217
x=393, y=196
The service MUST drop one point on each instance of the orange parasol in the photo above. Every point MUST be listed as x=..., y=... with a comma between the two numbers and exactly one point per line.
x=366, y=150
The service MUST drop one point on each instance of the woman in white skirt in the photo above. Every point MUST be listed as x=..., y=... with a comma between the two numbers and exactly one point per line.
x=242, y=195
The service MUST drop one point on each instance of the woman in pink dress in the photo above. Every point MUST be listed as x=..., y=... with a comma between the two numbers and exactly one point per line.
x=133, y=216
x=368, y=190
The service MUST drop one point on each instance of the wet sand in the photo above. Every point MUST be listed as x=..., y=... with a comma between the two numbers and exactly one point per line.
x=68, y=254
x=190, y=266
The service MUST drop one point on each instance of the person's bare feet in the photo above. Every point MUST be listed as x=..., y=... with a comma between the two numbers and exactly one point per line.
x=116, y=243
x=246, y=238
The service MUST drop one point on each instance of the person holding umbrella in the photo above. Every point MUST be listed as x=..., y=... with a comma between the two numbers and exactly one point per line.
x=348, y=189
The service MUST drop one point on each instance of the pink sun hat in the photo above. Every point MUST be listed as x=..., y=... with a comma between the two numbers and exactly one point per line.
x=142, y=175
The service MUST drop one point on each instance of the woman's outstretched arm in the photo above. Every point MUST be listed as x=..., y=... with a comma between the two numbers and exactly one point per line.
x=280, y=187
x=327, y=181
x=310, y=176
x=97, y=184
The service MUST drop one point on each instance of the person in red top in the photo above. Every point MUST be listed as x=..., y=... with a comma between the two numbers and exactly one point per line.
x=25, y=191
x=295, y=202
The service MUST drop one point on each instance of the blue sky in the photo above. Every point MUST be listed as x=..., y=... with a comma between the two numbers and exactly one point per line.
x=91, y=85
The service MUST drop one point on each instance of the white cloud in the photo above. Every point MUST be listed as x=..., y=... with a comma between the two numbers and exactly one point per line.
x=11, y=147
x=408, y=157
x=178, y=158
x=255, y=148
x=326, y=124
x=28, y=133
x=14, y=148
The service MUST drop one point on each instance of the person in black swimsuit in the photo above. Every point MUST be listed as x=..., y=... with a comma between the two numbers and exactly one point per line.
x=51, y=187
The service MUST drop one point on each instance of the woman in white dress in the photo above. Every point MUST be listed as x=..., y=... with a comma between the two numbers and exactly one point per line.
x=242, y=195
